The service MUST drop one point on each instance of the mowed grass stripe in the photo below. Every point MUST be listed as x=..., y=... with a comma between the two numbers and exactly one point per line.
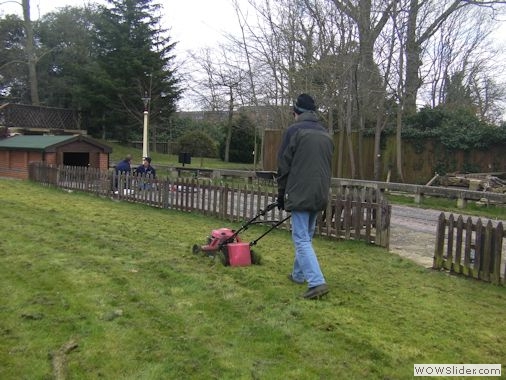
x=121, y=281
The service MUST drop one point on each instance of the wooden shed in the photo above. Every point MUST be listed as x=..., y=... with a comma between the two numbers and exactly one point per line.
x=78, y=150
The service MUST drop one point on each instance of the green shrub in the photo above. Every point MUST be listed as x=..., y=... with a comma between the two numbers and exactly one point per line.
x=197, y=143
x=242, y=143
x=456, y=128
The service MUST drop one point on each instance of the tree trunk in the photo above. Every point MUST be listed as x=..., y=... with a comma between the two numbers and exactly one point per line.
x=349, y=107
x=377, y=144
x=30, y=54
x=398, y=143
x=341, y=127
x=412, y=82
x=229, y=124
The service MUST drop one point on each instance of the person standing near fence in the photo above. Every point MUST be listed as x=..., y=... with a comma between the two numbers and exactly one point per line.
x=124, y=165
x=123, y=168
x=304, y=172
x=146, y=171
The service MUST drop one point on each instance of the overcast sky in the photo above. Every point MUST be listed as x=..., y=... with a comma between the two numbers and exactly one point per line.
x=193, y=23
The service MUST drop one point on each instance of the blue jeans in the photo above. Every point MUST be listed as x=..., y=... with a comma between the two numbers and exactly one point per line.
x=305, y=266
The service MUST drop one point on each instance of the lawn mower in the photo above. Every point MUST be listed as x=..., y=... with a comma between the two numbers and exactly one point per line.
x=232, y=251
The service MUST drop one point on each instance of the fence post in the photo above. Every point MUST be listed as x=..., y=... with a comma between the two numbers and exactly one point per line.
x=478, y=249
x=449, y=246
x=461, y=201
x=458, y=245
x=440, y=241
x=467, y=248
x=347, y=218
x=357, y=214
x=369, y=214
x=224, y=203
x=487, y=251
x=497, y=247
x=383, y=224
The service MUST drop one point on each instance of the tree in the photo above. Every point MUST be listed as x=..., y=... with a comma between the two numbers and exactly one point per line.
x=134, y=56
x=181, y=125
x=465, y=58
x=197, y=143
x=13, y=73
x=242, y=141
x=68, y=71
x=456, y=19
x=101, y=61
x=221, y=87
x=30, y=54
x=488, y=95
x=18, y=65
x=370, y=87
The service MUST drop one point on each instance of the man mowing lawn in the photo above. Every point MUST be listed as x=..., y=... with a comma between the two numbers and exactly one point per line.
x=304, y=171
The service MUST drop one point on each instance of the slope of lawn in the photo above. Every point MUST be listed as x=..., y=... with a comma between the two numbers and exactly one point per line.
x=94, y=288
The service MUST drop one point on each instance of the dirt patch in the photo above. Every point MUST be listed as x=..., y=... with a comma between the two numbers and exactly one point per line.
x=413, y=245
x=413, y=234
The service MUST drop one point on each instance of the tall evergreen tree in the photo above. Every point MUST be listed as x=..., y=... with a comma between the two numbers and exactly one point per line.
x=13, y=72
x=67, y=60
x=134, y=53
x=101, y=60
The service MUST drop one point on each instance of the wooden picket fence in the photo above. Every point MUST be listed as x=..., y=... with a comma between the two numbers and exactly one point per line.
x=354, y=212
x=470, y=249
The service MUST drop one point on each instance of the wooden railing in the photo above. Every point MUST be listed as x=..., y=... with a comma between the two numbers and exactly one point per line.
x=470, y=249
x=462, y=196
x=357, y=213
x=418, y=191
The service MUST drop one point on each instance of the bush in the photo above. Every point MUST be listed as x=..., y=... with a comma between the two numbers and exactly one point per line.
x=242, y=143
x=198, y=144
x=456, y=129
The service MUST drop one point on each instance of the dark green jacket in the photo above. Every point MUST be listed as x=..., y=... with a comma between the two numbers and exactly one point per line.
x=305, y=164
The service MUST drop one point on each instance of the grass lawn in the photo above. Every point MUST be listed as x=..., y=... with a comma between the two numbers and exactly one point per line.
x=119, y=152
x=96, y=288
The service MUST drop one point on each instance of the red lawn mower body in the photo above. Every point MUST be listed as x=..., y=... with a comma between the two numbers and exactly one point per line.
x=235, y=251
x=232, y=250
x=218, y=238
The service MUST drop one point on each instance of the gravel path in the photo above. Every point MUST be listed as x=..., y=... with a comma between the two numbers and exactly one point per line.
x=413, y=233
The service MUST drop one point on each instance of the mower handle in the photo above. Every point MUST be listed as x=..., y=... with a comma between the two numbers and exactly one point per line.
x=271, y=206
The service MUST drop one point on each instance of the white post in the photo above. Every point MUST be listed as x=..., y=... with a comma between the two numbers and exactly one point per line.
x=145, y=141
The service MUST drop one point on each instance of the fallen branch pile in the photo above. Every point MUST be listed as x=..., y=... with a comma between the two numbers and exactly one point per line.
x=476, y=182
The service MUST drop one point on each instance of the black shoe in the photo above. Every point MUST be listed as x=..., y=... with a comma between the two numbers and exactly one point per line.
x=290, y=277
x=316, y=292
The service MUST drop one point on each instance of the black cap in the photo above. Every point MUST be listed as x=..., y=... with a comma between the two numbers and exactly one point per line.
x=148, y=159
x=303, y=104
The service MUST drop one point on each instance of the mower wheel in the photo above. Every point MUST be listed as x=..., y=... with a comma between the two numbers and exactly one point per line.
x=223, y=255
x=196, y=249
x=256, y=259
